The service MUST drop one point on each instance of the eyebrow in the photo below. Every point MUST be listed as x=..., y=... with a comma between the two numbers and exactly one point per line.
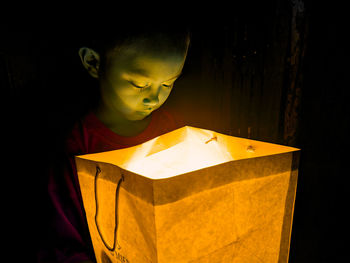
x=143, y=73
x=140, y=72
x=175, y=77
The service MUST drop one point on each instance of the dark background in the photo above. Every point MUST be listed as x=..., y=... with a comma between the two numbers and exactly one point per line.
x=273, y=71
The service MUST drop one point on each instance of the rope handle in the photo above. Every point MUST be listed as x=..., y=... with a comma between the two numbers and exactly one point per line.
x=115, y=241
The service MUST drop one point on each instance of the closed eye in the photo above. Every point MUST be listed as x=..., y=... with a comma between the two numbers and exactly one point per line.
x=168, y=85
x=138, y=86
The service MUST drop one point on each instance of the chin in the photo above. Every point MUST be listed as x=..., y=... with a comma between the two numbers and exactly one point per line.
x=138, y=116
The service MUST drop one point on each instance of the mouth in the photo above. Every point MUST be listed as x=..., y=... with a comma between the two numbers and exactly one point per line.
x=149, y=109
x=145, y=112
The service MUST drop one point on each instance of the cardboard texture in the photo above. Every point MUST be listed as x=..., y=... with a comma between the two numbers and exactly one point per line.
x=191, y=195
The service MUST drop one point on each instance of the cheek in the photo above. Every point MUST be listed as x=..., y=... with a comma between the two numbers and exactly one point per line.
x=128, y=95
x=163, y=95
x=122, y=90
x=120, y=95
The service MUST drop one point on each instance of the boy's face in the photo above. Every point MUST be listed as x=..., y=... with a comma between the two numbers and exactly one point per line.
x=137, y=80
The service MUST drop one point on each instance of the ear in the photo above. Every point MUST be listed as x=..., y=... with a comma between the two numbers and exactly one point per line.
x=90, y=60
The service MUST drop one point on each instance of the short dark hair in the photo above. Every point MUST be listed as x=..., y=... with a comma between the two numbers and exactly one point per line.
x=174, y=37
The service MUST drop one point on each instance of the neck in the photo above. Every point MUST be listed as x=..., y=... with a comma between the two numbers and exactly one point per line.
x=119, y=125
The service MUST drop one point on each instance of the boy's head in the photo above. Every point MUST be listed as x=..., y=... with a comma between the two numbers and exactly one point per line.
x=136, y=68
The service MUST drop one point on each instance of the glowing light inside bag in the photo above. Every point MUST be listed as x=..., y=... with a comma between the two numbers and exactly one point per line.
x=193, y=153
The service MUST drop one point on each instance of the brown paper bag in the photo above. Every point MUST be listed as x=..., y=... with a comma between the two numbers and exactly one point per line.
x=191, y=195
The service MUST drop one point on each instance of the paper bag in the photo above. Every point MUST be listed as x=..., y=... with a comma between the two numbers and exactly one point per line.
x=191, y=195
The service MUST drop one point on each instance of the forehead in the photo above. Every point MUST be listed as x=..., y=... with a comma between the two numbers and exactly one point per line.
x=147, y=62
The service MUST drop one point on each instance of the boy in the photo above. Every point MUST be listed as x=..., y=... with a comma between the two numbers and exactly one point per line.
x=136, y=72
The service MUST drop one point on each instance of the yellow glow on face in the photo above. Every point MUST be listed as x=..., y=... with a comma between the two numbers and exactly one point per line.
x=137, y=82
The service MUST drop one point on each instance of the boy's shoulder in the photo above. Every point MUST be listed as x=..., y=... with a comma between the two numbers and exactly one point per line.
x=76, y=139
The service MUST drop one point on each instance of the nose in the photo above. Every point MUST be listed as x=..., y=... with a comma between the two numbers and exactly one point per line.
x=151, y=101
x=152, y=98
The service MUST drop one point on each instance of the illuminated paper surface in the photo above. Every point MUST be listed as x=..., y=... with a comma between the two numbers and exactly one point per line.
x=192, y=195
x=194, y=153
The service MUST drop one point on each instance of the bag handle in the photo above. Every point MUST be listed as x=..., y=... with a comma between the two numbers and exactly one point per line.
x=115, y=241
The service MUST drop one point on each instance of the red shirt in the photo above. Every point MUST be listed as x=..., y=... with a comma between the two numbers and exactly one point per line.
x=68, y=235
